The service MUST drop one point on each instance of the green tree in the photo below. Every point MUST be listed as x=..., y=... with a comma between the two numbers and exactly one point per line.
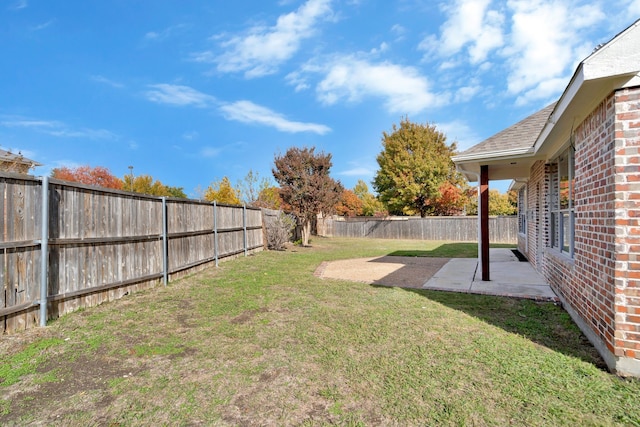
x=414, y=163
x=305, y=185
x=371, y=206
x=177, y=192
x=145, y=184
x=222, y=192
x=499, y=203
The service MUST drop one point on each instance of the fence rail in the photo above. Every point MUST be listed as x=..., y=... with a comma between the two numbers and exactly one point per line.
x=101, y=244
x=502, y=229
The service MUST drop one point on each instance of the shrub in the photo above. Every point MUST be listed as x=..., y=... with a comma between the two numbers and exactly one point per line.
x=279, y=230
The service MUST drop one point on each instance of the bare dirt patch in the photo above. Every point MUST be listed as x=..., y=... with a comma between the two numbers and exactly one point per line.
x=400, y=271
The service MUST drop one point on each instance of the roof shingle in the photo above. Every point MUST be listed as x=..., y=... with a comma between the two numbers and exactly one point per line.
x=521, y=135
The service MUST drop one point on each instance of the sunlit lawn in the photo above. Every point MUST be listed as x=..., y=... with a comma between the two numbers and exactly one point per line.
x=262, y=341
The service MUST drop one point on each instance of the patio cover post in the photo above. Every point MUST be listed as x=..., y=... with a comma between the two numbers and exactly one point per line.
x=484, y=221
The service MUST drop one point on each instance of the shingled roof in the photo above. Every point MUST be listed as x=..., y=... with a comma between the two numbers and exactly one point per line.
x=11, y=162
x=521, y=135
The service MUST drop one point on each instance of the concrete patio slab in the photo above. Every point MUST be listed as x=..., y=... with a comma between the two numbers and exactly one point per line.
x=514, y=290
x=455, y=275
x=509, y=277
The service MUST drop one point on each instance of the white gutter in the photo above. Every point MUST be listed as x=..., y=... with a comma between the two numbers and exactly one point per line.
x=514, y=152
x=563, y=103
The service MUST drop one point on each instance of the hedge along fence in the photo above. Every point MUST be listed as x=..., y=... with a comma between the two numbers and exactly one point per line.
x=502, y=229
x=65, y=246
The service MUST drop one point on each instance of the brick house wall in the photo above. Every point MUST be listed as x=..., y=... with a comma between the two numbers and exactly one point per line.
x=627, y=225
x=591, y=289
x=536, y=204
x=601, y=284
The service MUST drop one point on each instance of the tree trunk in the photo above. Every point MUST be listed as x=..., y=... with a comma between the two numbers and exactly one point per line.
x=306, y=232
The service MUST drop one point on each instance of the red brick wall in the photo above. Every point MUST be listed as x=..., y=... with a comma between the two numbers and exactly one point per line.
x=602, y=281
x=627, y=223
x=536, y=206
x=586, y=282
x=591, y=289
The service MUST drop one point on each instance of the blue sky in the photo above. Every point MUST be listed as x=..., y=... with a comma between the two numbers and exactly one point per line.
x=192, y=91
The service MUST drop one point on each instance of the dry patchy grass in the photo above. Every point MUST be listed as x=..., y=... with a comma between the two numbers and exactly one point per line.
x=261, y=341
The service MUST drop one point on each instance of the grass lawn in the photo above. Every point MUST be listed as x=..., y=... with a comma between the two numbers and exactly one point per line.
x=261, y=341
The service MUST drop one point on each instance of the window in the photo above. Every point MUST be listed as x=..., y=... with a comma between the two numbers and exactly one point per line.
x=562, y=203
x=522, y=210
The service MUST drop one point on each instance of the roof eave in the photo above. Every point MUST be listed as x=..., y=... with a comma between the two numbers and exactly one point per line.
x=586, y=72
x=494, y=155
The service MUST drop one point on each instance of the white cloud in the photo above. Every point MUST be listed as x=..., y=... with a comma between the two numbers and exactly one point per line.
x=248, y=112
x=466, y=93
x=398, y=30
x=382, y=48
x=83, y=133
x=358, y=171
x=209, y=152
x=20, y=4
x=55, y=128
x=470, y=24
x=64, y=163
x=262, y=49
x=163, y=34
x=109, y=82
x=20, y=122
x=460, y=132
x=42, y=26
x=191, y=135
x=546, y=45
x=634, y=7
x=178, y=95
x=297, y=80
x=531, y=45
x=403, y=89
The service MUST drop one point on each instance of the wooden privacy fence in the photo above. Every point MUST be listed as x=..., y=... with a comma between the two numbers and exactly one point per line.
x=66, y=245
x=502, y=229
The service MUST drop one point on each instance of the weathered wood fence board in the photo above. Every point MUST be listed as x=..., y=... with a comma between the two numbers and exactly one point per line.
x=103, y=244
x=20, y=255
x=503, y=229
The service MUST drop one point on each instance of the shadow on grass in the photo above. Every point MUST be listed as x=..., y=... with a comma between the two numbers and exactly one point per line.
x=449, y=250
x=544, y=323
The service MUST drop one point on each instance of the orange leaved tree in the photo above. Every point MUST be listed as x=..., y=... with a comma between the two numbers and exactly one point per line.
x=98, y=176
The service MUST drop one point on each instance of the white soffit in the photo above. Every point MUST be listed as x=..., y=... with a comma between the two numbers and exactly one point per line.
x=618, y=57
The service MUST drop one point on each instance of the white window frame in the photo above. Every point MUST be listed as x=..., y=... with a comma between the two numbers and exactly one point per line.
x=522, y=210
x=562, y=215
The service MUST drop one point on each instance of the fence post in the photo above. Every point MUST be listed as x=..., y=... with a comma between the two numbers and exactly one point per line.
x=215, y=231
x=44, y=252
x=165, y=242
x=244, y=228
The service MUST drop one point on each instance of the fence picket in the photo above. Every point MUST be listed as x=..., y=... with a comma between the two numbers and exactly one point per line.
x=503, y=229
x=103, y=243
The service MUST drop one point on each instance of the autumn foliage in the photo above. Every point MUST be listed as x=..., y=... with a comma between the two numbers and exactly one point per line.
x=415, y=163
x=306, y=186
x=222, y=192
x=269, y=198
x=145, y=184
x=499, y=203
x=349, y=204
x=98, y=176
x=450, y=200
